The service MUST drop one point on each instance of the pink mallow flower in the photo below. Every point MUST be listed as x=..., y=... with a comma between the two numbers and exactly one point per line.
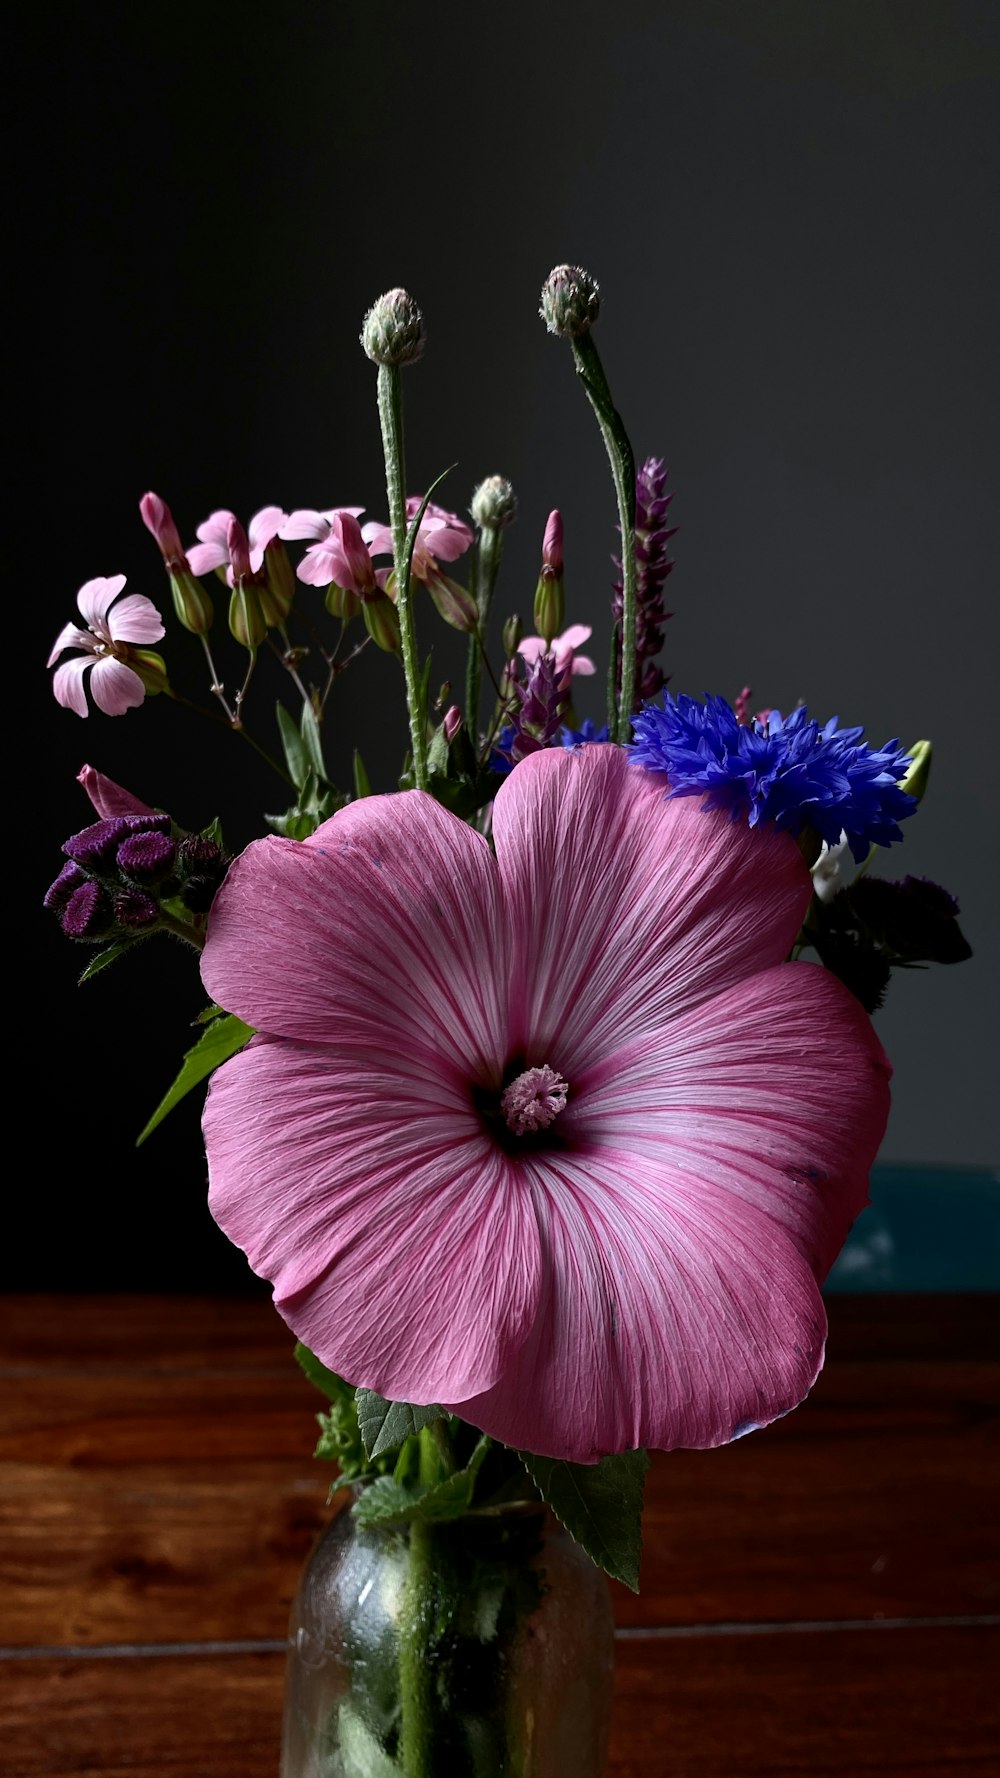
x=553, y=1137
x=213, y=550
x=112, y=628
x=564, y=648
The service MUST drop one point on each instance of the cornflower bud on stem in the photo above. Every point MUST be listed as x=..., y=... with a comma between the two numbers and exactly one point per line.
x=569, y=309
x=486, y=569
x=390, y=410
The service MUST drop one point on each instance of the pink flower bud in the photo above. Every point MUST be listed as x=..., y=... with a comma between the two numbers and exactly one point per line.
x=108, y=798
x=452, y=723
x=158, y=518
x=238, y=545
x=552, y=543
x=359, y=576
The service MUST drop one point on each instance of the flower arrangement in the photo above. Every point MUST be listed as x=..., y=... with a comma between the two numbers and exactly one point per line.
x=572, y=1024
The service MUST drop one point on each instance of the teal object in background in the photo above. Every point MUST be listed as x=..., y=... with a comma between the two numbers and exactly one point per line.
x=926, y=1228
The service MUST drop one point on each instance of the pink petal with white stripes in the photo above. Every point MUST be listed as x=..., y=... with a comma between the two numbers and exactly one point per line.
x=135, y=620
x=400, y=1242
x=114, y=687
x=656, y=904
x=95, y=597
x=68, y=684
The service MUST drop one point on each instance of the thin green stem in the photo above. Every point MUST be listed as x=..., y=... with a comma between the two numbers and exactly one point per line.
x=487, y=567
x=390, y=411
x=416, y=1669
x=591, y=372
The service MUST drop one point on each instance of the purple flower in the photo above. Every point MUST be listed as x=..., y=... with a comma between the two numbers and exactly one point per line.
x=652, y=567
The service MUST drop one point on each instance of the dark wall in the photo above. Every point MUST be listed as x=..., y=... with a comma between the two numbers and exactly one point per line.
x=791, y=211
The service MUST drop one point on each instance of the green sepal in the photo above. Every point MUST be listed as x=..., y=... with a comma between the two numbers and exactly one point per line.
x=391, y=1500
x=218, y=1041
x=385, y=1425
x=600, y=1504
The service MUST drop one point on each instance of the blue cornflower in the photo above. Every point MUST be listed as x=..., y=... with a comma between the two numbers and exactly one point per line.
x=785, y=769
x=588, y=731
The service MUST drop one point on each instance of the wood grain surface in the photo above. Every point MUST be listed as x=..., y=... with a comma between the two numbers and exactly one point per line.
x=822, y=1597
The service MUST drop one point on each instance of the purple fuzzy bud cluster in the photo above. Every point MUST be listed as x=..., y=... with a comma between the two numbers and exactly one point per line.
x=652, y=567
x=120, y=871
x=541, y=705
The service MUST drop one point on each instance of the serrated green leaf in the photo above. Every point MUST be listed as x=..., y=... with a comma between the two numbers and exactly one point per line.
x=326, y=1381
x=389, y=1500
x=219, y=1040
x=386, y=1424
x=600, y=1505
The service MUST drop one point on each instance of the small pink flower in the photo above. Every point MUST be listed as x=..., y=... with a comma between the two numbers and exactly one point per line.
x=104, y=648
x=442, y=537
x=213, y=549
x=108, y=798
x=340, y=557
x=564, y=648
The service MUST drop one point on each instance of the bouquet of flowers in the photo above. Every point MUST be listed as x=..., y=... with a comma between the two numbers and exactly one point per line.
x=542, y=1083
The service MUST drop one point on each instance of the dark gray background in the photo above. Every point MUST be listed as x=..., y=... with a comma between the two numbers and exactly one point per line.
x=791, y=210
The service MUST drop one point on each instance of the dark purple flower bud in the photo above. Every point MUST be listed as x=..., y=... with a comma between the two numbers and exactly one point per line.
x=135, y=910
x=59, y=892
x=96, y=845
x=88, y=913
x=147, y=857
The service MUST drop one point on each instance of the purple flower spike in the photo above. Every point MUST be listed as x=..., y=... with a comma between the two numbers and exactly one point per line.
x=652, y=567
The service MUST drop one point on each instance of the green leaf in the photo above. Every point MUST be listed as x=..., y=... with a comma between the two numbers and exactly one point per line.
x=362, y=782
x=101, y=961
x=389, y=1500
x=296, y=758
x=600, y=1505
x=327, y=1382
x=219, y=1040
x=386, y=1424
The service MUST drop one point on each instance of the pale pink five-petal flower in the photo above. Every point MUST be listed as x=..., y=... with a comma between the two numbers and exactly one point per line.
x=441, y=537
x=339, y=555
x=554, y=1138
x=112, y=626
x=213, y=551
x=564, y=648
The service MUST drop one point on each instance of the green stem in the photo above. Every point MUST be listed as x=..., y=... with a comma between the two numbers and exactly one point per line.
x=416, y=1669
x=487, y=567
x=591, y=372
x=390, y=411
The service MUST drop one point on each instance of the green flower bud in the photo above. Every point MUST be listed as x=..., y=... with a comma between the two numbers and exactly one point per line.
x=570, y=301
x=453, y=602
x=513, y=630
x=340, y=602
x=277, y=584
x=550, y=605
x=393, y=329
x=382, y=622
x=246, y=619
x=493, y=504
x=192, y=603
x=151, y=668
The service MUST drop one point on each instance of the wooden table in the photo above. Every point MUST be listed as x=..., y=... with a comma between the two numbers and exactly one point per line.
x=822, y=1597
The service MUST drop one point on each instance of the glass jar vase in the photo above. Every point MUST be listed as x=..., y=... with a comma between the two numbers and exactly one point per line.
x=481, y=1647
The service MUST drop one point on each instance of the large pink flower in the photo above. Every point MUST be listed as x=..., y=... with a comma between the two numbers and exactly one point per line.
x=553, y=1137
x=113, y=627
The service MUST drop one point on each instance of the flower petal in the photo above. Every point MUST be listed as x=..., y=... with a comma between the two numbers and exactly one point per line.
x=400, y=1242
x=657, y=903
x=136, y=620
x=94, y=598
x=71, y=636
x=370, y=936
x=68, y=684
x=114, y=687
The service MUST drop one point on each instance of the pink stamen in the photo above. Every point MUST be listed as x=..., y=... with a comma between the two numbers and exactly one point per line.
x=534, y=1099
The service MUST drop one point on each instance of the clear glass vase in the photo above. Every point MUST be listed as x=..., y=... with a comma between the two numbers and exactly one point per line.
x=477, y=1648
